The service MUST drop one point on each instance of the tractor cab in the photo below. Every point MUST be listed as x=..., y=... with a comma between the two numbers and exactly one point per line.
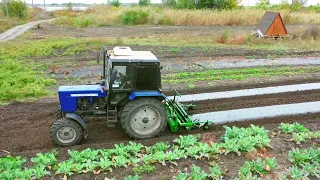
x=127, y=71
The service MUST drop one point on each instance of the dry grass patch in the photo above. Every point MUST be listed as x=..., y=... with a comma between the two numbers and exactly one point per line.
x=102, y=15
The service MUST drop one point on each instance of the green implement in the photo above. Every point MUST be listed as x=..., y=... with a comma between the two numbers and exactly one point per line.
x=178, y=116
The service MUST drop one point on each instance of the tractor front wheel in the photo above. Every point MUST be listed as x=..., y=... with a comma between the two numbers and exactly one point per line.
x=144, y=118
x=66, y=132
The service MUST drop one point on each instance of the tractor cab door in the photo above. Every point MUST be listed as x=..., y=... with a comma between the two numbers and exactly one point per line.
x=121, y=78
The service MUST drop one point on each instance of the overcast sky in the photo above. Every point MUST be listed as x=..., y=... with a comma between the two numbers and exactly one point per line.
x=246, y=2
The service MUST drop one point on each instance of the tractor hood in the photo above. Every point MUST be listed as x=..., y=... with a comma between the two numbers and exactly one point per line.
x=68, y=95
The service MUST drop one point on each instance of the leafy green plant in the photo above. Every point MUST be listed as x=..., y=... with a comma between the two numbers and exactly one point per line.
x=186, y=141
x=257, y=167
x=136, y=177
x=181, y=176
x=298, y=156
x=45, y=159
x=160, y=146
x=305, y=162
x=298, y=173
x=191, y=86
x=304, y=136
x=215, y=172
x=134, y=148
x=83, y=156
x=11, y=163
x=244, y=139
x=198, y=174
x=292, y=128
x=65, y=167
x=299, y=132
x=121, y=161
x=175, y=50
x=147, y=168
x=40, y=171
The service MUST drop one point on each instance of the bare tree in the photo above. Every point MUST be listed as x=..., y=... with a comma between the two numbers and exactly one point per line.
x=5, y=2
x=301, y=2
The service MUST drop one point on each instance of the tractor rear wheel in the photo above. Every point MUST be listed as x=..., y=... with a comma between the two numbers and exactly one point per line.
x=144, y=118
x=66, y=132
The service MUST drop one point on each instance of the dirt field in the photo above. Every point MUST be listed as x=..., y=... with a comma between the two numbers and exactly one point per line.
x=25, y=130
x=140, y=31
x=25, y=126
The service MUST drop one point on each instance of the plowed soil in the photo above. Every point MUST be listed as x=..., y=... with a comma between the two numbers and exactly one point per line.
x=25, y=130
x=25, y=126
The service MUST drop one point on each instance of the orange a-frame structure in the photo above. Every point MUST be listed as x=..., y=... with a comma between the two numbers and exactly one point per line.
x=271, y=25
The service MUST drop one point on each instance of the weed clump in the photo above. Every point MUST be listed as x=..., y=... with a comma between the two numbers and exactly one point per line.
x=133, y=17
x=312, y=31
x=19, y=81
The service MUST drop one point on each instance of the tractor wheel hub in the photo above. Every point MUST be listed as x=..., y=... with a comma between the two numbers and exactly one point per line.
x=66, y=134
x=145, y=120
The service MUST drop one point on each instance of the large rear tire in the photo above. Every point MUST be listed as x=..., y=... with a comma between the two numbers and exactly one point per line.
x=144, y=118
x=66, y=132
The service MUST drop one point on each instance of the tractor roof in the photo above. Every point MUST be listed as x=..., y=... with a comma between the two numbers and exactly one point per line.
x=125, y=54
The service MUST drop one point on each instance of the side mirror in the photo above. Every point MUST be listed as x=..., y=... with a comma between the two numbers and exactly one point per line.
x=161, y=67
x=98, y=56
x=103, y=83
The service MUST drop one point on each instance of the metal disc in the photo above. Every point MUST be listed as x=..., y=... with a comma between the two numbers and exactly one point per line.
x=66, y=134
x=146, y=120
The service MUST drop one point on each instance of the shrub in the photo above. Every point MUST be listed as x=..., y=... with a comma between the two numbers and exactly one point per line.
x=312, y=31
x=165, y=21
x=144, y=2
x=238, y=39
x=217, y=4
x=133, y=17
x=185, y=4
x=223, y=38
x=83, y=22
x=263, y=4
x=169, y=3
x=16, y=8
x=115, y=3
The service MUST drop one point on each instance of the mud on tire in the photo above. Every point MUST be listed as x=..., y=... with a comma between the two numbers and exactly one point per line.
x=144, y=118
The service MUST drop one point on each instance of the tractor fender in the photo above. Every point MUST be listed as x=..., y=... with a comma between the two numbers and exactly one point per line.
x=79, y=120
x=135, y=94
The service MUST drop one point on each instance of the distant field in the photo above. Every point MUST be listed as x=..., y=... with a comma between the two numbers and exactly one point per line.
x=100, y=15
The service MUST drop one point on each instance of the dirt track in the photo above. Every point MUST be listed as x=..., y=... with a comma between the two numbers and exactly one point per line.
x=18, y=30
x=25, y=126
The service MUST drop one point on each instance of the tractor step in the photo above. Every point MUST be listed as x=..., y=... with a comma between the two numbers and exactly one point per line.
x=112, y=116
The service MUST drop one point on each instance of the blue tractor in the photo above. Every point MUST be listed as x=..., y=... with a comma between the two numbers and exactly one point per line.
x=129, y=92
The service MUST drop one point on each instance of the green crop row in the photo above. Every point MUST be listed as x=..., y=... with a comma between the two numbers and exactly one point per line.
x=236, y=74
x=141, y=158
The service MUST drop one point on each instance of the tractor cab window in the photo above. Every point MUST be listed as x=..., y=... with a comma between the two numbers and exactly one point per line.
x=121, y=77
x=147, y=77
